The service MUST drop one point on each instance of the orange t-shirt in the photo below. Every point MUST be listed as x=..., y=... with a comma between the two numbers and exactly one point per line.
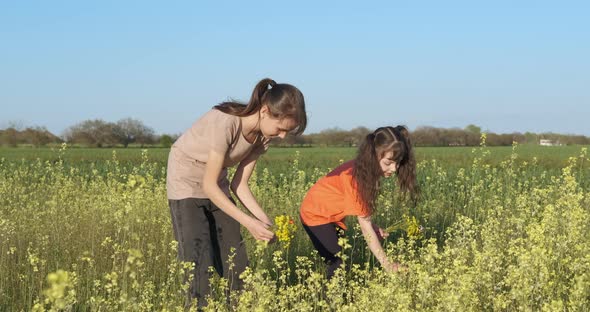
x=332, y=198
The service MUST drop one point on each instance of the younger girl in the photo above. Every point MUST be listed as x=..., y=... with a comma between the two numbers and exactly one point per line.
x=205, y=219
x=352, y=188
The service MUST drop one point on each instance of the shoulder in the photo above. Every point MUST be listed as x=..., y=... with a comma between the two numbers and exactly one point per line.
x=214, y=128
x=344, y=169
x=217, y=120
x=218, y=115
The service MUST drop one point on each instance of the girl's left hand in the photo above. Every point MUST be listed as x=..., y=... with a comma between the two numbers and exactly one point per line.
x=381, y=234
x=266, y=220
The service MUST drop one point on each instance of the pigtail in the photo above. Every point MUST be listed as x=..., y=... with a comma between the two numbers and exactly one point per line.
x=406, y=172
x=366, y=173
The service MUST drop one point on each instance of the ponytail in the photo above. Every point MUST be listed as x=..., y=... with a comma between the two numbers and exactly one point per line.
x=255, y=103
x=283, y=101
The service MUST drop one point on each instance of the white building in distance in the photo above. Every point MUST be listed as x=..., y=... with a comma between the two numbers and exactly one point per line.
x=545, y=142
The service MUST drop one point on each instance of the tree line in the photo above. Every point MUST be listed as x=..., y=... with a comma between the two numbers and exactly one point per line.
x=90, y=133
x=432, y=136
x=127, y=131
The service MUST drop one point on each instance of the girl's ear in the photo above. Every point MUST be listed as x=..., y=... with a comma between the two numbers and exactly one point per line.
x=264, y=110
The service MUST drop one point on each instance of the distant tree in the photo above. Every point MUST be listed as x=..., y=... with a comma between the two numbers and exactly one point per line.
x=505, y=139
x=95, y=132
x=131, y=130
x=305, y=139
x=518, y=138
x=473, y=129
x=166, y=140
x=454, y=137
x=472, y=135
x=531, y=138
x=577, y=139
x=334, y=136
x=10, y=137
x=37, y=136
x=17, y=125
x=427, y=136
x=301, y=140
x=358, y=134
x=290, y=140
x=11, y=134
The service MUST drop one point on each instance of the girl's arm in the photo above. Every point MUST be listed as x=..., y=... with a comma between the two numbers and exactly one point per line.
x=374, y=245
x=239, y=185
x=214, y=166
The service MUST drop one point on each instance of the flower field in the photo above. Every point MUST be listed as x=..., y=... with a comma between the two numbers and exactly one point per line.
x=494, y=229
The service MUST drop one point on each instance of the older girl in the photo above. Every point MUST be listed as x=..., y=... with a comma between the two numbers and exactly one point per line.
x=205, y=219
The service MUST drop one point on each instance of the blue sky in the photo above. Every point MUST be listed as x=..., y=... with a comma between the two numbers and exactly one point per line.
x=503, y=65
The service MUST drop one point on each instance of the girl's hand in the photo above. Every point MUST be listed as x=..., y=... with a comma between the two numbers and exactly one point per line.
x=381, y=233
x=259, y=230
x=269, y=224
x=394, y=267
x=266, y=220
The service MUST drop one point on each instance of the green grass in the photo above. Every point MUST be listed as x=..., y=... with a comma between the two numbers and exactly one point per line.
x=321, y=157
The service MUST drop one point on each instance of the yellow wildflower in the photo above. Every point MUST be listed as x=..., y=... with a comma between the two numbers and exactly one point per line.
x=408, y=224
x=285, y=229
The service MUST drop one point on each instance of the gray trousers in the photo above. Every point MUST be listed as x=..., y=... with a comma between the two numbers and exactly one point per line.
x=207, y=236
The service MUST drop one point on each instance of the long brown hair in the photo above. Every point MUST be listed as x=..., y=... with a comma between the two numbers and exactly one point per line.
x=282, y=99
x=367, y=171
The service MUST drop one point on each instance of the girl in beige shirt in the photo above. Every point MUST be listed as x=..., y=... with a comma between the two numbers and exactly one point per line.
x=205, y=219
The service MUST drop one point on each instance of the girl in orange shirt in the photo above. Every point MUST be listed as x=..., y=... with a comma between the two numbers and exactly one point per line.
x=352, y=188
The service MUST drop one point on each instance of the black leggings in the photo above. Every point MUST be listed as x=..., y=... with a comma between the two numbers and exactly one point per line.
x=207, y=236
x=325, y=240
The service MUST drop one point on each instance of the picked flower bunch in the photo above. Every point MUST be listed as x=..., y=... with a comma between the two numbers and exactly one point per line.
x=408, y=224
x=285, y=229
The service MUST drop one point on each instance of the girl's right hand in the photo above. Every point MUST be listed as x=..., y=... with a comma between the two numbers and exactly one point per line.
x=259, y=230
x=381, y=233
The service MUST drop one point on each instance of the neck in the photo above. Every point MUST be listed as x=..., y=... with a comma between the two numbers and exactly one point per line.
x=250, y=127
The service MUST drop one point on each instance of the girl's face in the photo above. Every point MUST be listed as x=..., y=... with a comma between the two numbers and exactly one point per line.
x=271, y=127
x=388, y=164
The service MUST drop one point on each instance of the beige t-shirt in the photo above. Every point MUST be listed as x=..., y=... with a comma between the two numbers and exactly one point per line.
x=213, y=131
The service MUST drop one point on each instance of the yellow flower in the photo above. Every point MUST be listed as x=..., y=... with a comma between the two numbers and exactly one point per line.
x=285, y=229
x=410, y=225
x=414, y=229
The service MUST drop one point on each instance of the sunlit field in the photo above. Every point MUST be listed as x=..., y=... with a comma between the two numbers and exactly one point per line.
x=502, y=229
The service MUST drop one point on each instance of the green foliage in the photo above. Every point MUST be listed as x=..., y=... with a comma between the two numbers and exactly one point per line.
x=503, y=229
x=166, y=141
